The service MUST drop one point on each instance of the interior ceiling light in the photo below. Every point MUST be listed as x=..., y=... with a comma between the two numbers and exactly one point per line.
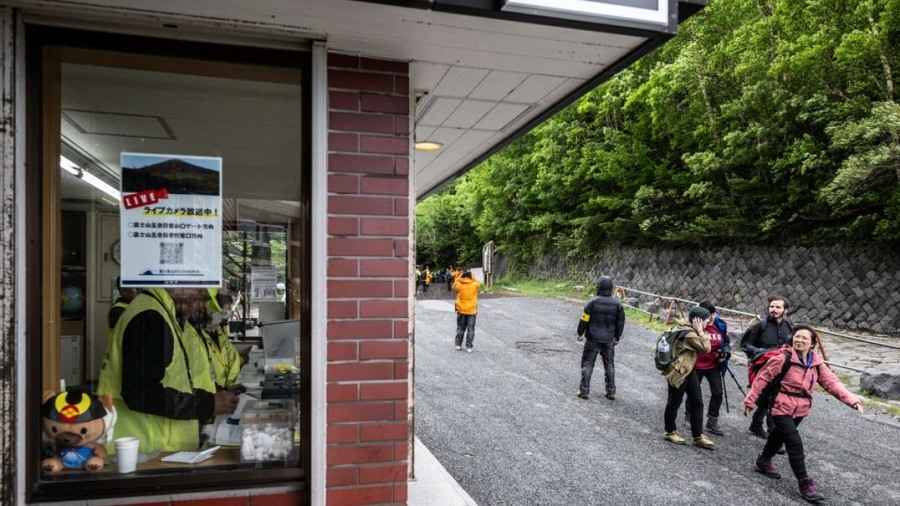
x=70, y=167
x=428, y=146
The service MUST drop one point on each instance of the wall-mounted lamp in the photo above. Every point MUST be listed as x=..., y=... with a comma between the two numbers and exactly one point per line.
x=428, y=146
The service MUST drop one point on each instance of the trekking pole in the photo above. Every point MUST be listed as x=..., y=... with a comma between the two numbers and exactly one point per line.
x=725, y=390
x=736, y=382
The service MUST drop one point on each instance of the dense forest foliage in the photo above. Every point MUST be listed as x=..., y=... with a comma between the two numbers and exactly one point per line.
x=763, y=121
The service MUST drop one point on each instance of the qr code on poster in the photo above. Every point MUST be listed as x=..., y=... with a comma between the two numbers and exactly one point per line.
x=171, y=253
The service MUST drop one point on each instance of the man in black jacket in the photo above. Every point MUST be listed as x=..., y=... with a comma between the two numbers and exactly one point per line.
x=757, y=343
x=602, y=323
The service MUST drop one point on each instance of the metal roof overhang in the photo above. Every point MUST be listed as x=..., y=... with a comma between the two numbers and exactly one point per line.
x=484, y=71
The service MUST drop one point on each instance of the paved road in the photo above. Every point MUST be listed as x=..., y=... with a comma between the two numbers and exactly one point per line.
x=506, y=424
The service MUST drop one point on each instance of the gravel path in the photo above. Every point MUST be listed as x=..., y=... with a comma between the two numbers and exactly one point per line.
x=506, y=424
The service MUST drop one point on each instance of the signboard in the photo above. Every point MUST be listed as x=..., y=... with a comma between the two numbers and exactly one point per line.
x=263, y=284
x=171, y=220
x=654, y=12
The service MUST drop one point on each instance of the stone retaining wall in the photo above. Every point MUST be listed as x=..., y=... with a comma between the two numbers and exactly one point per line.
x=841, y=287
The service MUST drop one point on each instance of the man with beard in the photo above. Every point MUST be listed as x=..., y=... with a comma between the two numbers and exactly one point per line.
x=602, y=323
x=760, y=342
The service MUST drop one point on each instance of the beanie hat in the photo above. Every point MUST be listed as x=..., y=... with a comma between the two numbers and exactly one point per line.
x=698, y=312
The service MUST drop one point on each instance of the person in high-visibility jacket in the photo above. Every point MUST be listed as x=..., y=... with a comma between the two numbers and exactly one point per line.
x=466, y=290
x=126, y=295
x=224, y=357
x=157, y=372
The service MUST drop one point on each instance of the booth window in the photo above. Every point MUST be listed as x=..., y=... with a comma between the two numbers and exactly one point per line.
x=173, y=316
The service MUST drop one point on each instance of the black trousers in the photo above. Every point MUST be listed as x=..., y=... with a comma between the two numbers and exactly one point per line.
x=714, y=378
x=762, y=413
x=465, y=325
x=691, y=386
x=785, y=432
x=607, y=352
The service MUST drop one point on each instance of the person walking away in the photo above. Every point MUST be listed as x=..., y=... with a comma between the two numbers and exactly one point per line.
x=602, y=323
x=682, y=378
x=466, y=290
x=426, y=280
x=711, y=366
x=790, y=378
x=760, y=342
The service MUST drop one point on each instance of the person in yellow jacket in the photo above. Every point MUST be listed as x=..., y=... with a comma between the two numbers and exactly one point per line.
x=126, y=295
x=466, y=290
x=224, y=357
x=157, y=372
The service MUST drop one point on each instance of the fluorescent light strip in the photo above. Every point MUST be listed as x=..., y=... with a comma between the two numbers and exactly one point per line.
x=660, y=15
x=70, y=167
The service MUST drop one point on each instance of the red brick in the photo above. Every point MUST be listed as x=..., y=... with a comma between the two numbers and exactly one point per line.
x=343, y=433
x=369, y=350
x=343, y=60
x=221, y=501
x=401, y=451
x=360, y=329
x=383, y=308
x=343, y=100
x=398, y=431
x=400, y=492
x=401, y=248
x=287, y=499
x=338, y=351
x=401, y=288
x=401, y=125
x=342, y=392
x=401, y=329
x=357, y=204
x=360, y=247
x=343, y=268
x=401, y=166
x=385, y=185
x=381, y=474
x=361, y=164
x=357, y=496
x=401, y=207
x=343, y=226
x=338, y=141
x=343, y=309
x=397, y=67
x=338, y=455
x=401, y=410
x=347, y=289
x=340, y=183
x=385, y=103
x=359, y=412
x=361, y=371
x=339, y=476
x=351, y=80
x=357, y=122
x=384, y=145
x=393, y=268
x=385, y=226
x=401, y=85
x=401, y=370
x=384, y=391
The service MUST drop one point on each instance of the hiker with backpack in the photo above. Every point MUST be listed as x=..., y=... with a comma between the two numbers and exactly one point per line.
x=602, y=323
x=676, y=355
x=787, y=381
x=760, y=342
x=711, y=366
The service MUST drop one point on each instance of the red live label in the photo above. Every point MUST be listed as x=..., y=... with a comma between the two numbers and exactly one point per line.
x=144, y=198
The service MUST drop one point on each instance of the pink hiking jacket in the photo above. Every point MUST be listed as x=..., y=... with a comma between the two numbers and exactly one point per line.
x=795, y=397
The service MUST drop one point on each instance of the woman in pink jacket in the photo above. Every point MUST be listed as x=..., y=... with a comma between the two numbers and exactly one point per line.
x=793, y=402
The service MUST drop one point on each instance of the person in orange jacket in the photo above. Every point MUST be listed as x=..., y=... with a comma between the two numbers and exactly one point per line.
x=466, y=290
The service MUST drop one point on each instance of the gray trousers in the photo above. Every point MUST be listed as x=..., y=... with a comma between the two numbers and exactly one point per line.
x=465, y=325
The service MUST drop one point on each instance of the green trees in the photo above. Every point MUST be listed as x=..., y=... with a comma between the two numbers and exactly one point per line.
x=763, y=120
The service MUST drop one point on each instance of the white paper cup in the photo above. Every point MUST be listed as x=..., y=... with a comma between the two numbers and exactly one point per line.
x=127, y=454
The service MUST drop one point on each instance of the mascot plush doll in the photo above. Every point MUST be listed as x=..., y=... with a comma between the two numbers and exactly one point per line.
x=77, y=423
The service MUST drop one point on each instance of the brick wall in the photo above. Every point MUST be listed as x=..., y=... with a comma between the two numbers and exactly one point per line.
x=368, y=275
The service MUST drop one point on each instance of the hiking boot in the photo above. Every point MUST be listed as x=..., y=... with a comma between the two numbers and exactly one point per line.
x=458, y=348
x=674, y=437
x=767, y=469
x=704, y=442
x=808, y=491
x=582, y=395
x=611, y=396
x=759, y=432
x=712, y=426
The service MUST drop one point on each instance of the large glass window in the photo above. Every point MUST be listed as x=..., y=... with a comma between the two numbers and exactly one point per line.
x=174, y=293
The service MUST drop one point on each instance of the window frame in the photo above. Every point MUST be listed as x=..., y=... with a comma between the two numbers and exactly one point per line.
x=43, y=62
